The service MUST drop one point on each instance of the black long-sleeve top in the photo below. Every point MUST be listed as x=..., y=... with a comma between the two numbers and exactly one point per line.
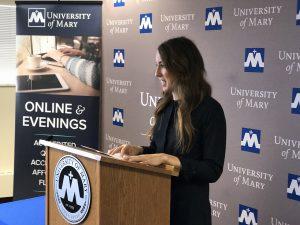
x=203, y=164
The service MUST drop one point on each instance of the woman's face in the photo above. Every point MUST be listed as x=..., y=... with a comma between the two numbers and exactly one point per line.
x=163, y=74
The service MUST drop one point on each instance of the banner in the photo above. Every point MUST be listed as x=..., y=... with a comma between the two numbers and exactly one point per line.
x=252, y=58
x=58, y=84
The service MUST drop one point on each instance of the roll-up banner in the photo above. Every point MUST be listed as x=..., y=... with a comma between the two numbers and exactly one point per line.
x=58, y=84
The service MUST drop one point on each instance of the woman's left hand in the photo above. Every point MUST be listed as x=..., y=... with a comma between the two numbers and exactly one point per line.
x=57, y=56
x=154, y=159
x=54, y=54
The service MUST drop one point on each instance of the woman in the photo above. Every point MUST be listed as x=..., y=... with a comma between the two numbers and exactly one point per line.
x=189, y=133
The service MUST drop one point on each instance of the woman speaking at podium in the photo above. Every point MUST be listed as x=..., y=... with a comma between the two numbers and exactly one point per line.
x=189, y=133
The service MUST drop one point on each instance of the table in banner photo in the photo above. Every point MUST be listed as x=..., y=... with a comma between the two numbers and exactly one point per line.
x=29, y=211
x=75, y=86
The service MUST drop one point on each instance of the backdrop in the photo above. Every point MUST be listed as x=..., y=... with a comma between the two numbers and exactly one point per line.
x=253, y=63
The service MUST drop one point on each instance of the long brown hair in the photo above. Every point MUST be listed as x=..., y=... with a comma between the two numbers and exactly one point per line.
x=184, y=62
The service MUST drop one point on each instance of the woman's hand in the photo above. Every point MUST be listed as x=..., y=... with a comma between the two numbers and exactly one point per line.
x=72, y=52
x=54, y=54
x=57, y=56
x=126, y=150
x=155, y=159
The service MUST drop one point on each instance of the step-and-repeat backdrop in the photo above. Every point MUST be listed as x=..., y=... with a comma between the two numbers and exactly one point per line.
x=252, y=56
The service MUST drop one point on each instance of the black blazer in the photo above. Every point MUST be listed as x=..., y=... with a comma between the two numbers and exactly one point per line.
x=202, y=165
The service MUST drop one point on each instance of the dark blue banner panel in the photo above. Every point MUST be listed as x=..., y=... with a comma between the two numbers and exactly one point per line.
x=68, y=120
x=53, y=19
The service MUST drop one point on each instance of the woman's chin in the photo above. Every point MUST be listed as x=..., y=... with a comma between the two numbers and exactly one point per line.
x=164, y=89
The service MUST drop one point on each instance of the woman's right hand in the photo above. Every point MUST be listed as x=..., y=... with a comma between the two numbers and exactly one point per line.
x=72, y=52
x=126, y=150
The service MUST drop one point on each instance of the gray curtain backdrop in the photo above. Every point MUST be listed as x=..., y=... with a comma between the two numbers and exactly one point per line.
x=252, y=56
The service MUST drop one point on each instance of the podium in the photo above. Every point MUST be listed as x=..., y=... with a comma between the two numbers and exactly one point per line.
x=91, y=188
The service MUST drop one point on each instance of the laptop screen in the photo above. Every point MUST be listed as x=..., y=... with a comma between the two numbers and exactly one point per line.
x=42, y=44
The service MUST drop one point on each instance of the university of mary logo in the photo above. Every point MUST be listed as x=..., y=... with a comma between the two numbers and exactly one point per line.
x=145, y=23
x=295, y=101
x=118, y=117
x=36, y=17
x=254, y=60
x=119, y=3
x=119, y=57
x=250, y=140
x=213, y=18
x=298, y=14
x=293, y=190
x=247, y=215
x=71, y=189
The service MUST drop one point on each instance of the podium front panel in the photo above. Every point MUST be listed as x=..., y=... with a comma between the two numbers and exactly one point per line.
x=133, y=197
x=120, y=193
x=53, y=215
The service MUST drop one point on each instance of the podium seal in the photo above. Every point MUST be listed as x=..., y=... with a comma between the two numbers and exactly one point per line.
x=72, y=191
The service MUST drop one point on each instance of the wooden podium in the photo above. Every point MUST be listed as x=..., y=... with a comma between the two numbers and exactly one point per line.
x=121, y=193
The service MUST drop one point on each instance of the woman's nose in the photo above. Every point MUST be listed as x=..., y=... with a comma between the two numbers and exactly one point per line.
x=157, y=72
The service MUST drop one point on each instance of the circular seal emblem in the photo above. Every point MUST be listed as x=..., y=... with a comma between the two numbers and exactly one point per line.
x=71, y=189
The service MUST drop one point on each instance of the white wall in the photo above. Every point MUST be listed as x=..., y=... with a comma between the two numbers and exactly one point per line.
x=7, y=104
x=7, y=133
